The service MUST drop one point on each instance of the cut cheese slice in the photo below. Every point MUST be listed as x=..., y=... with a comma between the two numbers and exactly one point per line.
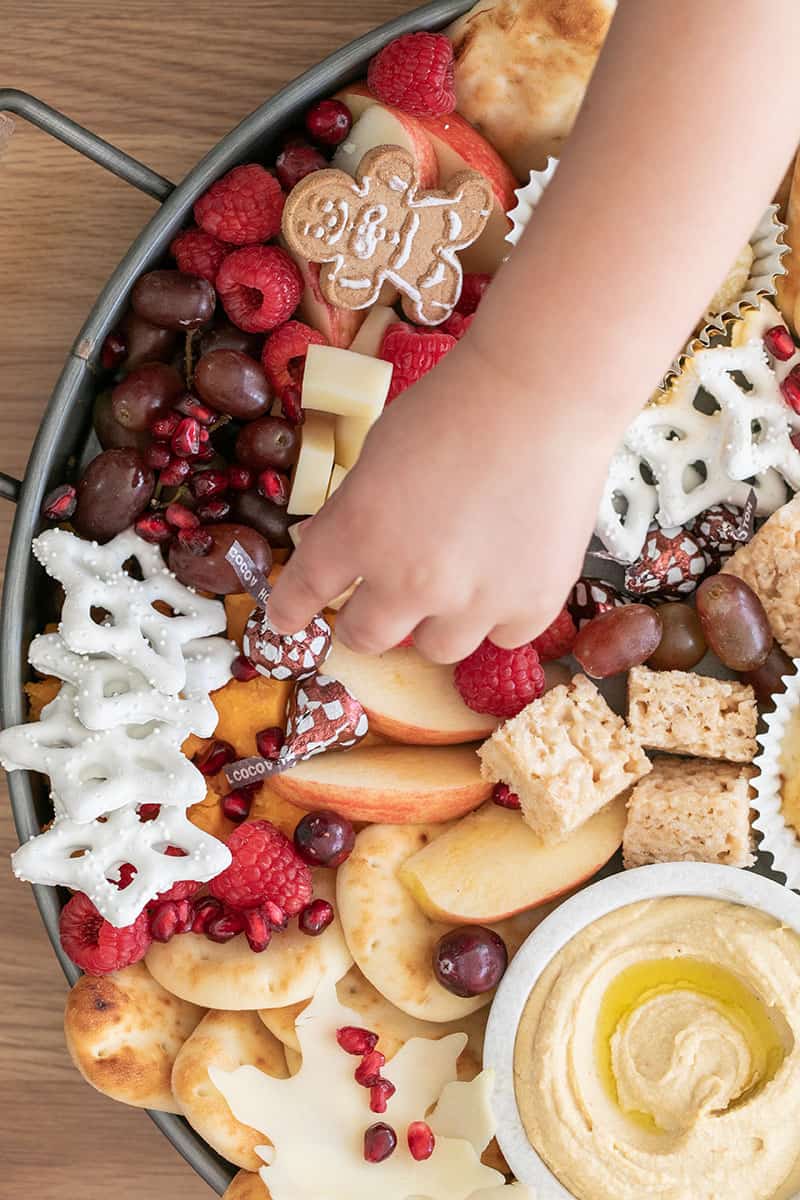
x=350, y=435
x=370, y=335
x=337, y=476
x=347, y=384
x=315, y=464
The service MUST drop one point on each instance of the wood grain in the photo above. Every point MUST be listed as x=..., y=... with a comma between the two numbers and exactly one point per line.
x=164, y=82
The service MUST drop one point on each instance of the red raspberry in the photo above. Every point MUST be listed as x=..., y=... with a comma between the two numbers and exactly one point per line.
x=412, y=353
x=244, y=206
x=199, y=253
x=472, y=289
x=184, y=889
x=558, y=639
x=265, y=868
x=415, y=72
x=260, y=287
x=94, y=944
x=296, y=160
x=456, y=325
x=500, y=682
x=284, y=354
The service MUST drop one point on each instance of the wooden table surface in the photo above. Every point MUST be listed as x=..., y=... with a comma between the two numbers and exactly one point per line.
x=164, y=82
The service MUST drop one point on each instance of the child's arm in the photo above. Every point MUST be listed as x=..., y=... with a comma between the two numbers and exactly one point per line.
x=470, y=508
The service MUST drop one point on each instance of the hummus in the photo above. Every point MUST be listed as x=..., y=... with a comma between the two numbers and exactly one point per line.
x=658, y=1055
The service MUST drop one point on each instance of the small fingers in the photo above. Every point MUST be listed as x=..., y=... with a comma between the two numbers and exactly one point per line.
x=371, y=622
x=524, y=628
x=448, y=639
x=314, y=574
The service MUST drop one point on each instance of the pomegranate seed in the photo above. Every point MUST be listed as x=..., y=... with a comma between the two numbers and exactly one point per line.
x=225, y=926
x=236, y=805
x=180, y=516
x=204, y=436
x=175, y=852
x=185, y=915
x=315, y=918
x=296, y=160
x=149, y=812
x=779, y=342
x=206, y=484
x=189, y=406
x=211, y=760
x=204, y=454
x=157, y=455
x=243, y=669
x=153, y=528
x=380, y=1094
x=126, y=874
x=213, y=510
x=355, y=1040
x=175, y=472
x=329, y=122
x=257, y=929
x=503, y=796
x=164, y=921
x=204, y=910
x=795, y=440
x=421, y=1141
x=186, y=439
x=115, y=347
x=368, y=1071
x=274, y=487
x=292, y=406
x=269, y=741
x=380, y=1142
x=277, y=917
x=790, y=387
x=240, y=478
x=60, y=504
x=196, y=541
x=164, y=427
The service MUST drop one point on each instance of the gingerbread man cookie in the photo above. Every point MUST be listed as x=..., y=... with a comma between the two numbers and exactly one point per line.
x=380, y=226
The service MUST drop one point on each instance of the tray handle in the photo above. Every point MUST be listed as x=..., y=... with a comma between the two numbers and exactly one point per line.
x=59, y=126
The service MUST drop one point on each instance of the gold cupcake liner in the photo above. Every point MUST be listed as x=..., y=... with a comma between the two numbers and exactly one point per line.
x=778, y=839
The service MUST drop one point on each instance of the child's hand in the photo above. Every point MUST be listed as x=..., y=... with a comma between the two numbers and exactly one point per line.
x=463, y=517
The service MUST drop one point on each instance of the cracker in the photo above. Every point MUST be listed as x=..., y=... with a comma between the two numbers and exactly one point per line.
x=685, y=713
x=226, y=1040
x=770, y=564
x=123, y=1032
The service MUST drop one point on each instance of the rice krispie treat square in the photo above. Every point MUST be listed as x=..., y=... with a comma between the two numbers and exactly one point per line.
x=566, y=756
x=690, y=810
x=692, y=714
x=770, y=564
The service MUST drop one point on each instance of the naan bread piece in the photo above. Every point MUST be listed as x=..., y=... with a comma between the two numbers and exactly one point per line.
x=522, y=68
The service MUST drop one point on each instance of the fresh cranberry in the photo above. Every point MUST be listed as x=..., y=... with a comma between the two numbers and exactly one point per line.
x=380, y=1142
x=189, y=406
x=60, y=503
x=779, y=342
x=503, y=796
x=185, y=440
x=368, y=1071
x=157, y=455
x=421, y=1142
x=257, y=929
x=224, y=926
x=206, y=484
x=355, y=1040
x=296, y=160
x=153, y=528
x=115, y=348
x=316, y=917
x=164, y=427
x=329, y=122
x=470, y=960
x=204, y=910
x=269, y=741
x=292, y=405
x=180, y=516
x=175, y=472
x=213, y=758
x=243, y=668
x=324, y=839
x=273, y=486
x=149, y=812
x=380, y=1094
x=790, y=387
x=236, y=805
x=240, y=478
x=196, y=541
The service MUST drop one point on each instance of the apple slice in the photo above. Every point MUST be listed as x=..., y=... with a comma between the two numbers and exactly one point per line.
x=338, y=325
x=312, y=473
x=491, y=864
x=458, y=145
x=396, y=784
x=389, y=936
x=408, y=698
x=346, y=384
x=370, y=335
x=382, y=126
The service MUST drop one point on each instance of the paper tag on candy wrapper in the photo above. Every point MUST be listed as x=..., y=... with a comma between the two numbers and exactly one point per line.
x=252, y=579
x=747, y=520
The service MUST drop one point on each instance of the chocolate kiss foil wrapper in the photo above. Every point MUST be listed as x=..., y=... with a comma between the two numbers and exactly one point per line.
x=289, y=656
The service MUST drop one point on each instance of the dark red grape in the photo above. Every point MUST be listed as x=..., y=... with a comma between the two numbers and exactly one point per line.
x=211, y=572
x=110, y=434
x=173, y=300
x=734, y=622
x=271, y=521
x=144, y=394
x=617, y=640
x=324, y=839
x=232, y=382
x=682, y=643
x=146, y=342
x=227, y=337
x=114, y=490
x=769, y=679
x=270, y=442
x=470, y=960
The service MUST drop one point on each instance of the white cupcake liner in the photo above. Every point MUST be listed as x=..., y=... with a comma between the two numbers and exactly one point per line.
x=527, y=199
x=778, y=838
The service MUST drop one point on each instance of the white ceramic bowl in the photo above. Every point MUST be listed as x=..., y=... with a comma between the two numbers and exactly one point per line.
x=629, y=887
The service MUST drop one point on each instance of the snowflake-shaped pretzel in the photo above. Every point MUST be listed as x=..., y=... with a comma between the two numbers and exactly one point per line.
x=147, y=622
x=96, y=773
x=101, y=847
